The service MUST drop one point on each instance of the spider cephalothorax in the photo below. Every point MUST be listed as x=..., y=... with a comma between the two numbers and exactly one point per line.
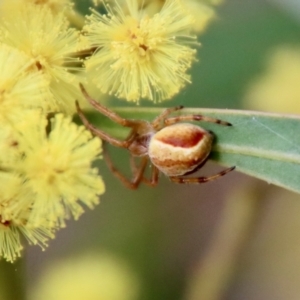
x=175, y=149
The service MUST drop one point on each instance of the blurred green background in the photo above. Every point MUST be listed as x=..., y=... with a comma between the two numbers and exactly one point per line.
x=236, y=238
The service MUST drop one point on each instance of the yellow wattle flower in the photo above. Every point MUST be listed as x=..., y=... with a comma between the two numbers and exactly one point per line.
x=138, y=56
x=46, y=176
x=20, y=89
x=57, y=167
x=15, y=202
x=51, y=46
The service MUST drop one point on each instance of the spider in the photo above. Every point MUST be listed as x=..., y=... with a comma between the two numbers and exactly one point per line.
x=173, y=148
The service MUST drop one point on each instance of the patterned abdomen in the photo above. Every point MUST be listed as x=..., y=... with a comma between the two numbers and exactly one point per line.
x=180, y=148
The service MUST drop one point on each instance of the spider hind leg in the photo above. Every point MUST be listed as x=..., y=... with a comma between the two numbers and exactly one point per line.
x=202, y=179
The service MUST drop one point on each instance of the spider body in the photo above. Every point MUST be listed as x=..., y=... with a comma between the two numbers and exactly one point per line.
x=173, y=148
x=139, y=145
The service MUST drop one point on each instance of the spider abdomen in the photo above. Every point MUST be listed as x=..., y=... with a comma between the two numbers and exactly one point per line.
x=180, y=148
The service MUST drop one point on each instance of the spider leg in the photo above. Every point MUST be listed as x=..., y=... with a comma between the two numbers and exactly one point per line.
x=152, y=181
x=173, y=120
x=154, y=176
x=201, y=179
x=137, y=174
x=134, y=168
x=105, y=111
x=103, y=135
x=156, y=122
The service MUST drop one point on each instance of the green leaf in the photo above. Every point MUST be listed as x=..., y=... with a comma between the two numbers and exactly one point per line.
x=263, y=145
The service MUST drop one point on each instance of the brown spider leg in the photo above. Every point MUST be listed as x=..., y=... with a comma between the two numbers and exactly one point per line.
x=177, y=119
x=133, y=166
x=152, y=181
x=137, y=176
x=201, y=179
x=103, y=135
x=107, y=112
x=156, y=122
x=154, y=176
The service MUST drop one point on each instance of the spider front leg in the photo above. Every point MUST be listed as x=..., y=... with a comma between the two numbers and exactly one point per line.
x=105, y=111
x=173, y=120
x=156, y=123
x=202, y=179
x=101, y=134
